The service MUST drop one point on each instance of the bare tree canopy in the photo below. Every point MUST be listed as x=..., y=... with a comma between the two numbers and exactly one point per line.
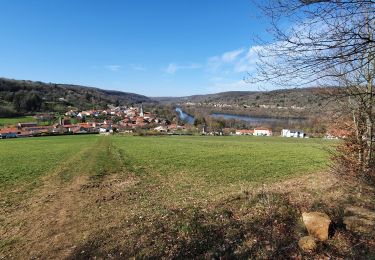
x=330, y=42
x=310, y=37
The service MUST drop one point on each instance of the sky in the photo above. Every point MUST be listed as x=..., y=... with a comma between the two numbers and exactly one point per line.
x=149, y=47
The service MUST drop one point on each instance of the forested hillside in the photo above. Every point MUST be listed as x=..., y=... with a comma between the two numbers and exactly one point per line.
x=19, y=97
x=297, y=102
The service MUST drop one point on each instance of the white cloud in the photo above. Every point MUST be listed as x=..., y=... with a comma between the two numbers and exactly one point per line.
x=216, y=62
x=113, y=67
x=248, y=62
x=231, y=55
x=173, y=67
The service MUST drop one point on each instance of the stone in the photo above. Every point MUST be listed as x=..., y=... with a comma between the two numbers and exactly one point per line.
x=359, y=220
x=317, y=224
x=307, y=243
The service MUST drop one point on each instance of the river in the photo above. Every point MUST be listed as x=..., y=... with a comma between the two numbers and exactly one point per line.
x=251, y=120
x=184, y=116
x=257, y=121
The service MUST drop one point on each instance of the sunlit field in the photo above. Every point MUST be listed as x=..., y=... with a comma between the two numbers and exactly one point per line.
x=108, y=193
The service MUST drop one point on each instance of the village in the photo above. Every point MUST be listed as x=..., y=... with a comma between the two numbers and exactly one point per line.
x=114, y=119
x=127, y=120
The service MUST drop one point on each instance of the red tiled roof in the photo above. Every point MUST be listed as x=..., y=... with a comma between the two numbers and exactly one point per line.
x=8, y=130
x=262, y=128
x=245, y=131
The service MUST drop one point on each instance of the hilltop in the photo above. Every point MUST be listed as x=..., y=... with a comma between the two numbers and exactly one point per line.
x=19, y=97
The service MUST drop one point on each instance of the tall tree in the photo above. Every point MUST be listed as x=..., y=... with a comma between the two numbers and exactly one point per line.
x=328, y=42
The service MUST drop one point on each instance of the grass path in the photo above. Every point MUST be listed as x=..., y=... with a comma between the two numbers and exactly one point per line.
x=59, y=214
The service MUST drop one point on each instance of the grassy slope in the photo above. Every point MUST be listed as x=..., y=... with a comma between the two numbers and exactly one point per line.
x=219, y=160
x=195, y=164
x=186, y=170
x=15, y=120
x=146, y=196
x=225, y=159
x=26, y=161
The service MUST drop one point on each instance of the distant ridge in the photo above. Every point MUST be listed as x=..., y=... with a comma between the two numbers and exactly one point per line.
x=297, y=96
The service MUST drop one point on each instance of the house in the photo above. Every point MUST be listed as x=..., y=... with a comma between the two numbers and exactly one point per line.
x=292, y=133
x=176, y=127
x=79, y=130
x=244, y=132
x=28, y=124
x=161, y=129
x=105, y=129
x=37, y=130
x=260, y=131
x=9, y=133
x=24, y=134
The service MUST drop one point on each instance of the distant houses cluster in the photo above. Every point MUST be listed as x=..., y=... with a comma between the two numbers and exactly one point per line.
x=114, y=119
x=261, y=131
x=129, y=120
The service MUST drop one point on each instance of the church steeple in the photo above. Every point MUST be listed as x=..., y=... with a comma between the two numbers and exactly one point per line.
x=141, y=111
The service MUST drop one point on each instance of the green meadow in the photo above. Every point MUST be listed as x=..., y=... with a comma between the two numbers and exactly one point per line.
x=208, y=162
x=15, y=120
x=224, y=160
x=154, y=196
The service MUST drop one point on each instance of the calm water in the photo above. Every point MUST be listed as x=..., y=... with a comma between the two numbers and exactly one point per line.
x=251, y=120
x=184, y=116
x=260, y=120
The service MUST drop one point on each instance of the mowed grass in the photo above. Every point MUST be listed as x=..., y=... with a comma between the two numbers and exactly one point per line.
x=15, y=120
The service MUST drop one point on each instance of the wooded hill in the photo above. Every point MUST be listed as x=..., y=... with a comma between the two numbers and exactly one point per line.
x=18, y=97
x=297, y=102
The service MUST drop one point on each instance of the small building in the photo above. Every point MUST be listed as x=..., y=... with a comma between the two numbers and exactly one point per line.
x=9, y=133
x=28, y=124
x=260, y=131
x=245, y=132
x=161, y=129
x=79, y=130
x=105, y=129
x=293, y=133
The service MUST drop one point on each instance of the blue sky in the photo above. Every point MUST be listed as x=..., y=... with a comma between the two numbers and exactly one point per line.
x=150, y=47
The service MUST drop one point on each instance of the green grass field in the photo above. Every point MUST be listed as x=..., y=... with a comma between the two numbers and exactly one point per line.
x=224, y=159
x=91, y=196
x=16, y=120
x=195, y=164
x=25, y=161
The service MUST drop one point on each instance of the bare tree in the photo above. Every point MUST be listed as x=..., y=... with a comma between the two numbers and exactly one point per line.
x=326, y=42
